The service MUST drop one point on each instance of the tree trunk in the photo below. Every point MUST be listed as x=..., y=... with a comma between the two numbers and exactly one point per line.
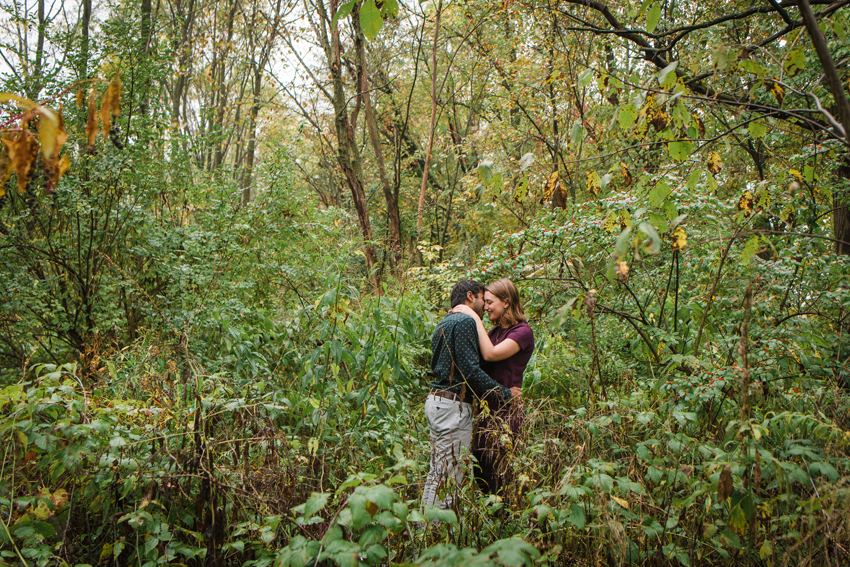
x=841, y=214
x=348, y=154
x=145, y=47
x=433, y=123
x=217, y=128
x=248, y=172
x=389, y=197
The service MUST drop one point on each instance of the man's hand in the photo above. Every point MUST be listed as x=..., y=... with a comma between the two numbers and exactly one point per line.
x=516, y=392
x=466, y=310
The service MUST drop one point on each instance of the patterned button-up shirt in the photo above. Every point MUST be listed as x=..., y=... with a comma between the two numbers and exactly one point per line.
x=456, y=338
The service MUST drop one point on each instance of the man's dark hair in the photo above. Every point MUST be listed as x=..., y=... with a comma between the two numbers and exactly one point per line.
x=461, y=288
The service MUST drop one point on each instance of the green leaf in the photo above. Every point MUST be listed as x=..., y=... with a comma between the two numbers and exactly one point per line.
x=667, y=75
x=757, y=129
x=660, y=192
x=434, y=513
x=627, y=116
x=680, y=151
x=485, y=172
x=824, y=469
x=585, y=78
x=654, y=245
x=370, y=19
x=333, y=534
x=603, y=481
x=659, y=222
x=343, y=11
x=315, y=503
x=389, y=9
x=652, y=18
x=750, y=249
x=796, y=61
x=809, y=173
x=840, y=30
x=693, y=179
x=381, y=495
x=576, y=133
x=512, y=552
x=669, y=209
x=577, y=517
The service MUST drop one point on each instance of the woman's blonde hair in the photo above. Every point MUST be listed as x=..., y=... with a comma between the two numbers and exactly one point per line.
x=506, y=291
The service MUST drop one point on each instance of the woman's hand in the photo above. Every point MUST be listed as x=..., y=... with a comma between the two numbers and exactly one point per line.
x=466, y=310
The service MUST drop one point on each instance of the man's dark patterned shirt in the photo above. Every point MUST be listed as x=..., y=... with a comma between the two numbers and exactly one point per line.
x=456, y=338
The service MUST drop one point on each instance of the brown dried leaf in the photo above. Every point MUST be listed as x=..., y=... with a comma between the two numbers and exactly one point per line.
x=111, y=105
x=81, y=97
x=550, y=185
x=61, y=134
x=658, y=119
x=91, y=122
x=22, y=152
x=724, y=486
x=5, y=165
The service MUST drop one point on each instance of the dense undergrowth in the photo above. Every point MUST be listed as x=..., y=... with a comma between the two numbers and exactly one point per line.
x=297, y=437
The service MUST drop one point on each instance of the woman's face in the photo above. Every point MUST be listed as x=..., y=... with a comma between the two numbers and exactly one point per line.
x=494, y=306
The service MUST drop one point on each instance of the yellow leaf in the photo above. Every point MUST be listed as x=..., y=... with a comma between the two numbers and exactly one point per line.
x=796, y=175
x=594, y=183
x=48, y=130
x=621, y=502
x=42, y=512
x=106, y=552
x=714, y=164
x=679, y=238
x=778, y=92
x=745, y=203
x=611, y=222
x=622, y=270
x=59, y=498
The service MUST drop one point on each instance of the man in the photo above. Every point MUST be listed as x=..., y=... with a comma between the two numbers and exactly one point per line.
x=458, y=377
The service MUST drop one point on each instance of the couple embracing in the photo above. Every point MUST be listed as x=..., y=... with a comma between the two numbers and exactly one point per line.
x=470, y=365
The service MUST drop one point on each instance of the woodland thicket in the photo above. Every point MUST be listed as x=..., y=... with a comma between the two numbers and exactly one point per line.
x=228, y=229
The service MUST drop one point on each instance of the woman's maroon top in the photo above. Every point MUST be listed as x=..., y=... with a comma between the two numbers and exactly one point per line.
x=508, y=372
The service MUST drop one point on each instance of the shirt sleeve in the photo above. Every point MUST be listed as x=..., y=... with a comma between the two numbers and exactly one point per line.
x=523, y=336
x=467, y=360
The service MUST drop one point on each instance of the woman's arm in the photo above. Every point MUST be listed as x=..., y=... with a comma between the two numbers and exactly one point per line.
x=501, y=351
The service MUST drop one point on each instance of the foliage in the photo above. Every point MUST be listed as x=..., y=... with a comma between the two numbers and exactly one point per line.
x=218, y=303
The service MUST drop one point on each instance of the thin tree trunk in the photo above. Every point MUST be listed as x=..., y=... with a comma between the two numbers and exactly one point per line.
x=433, y=122
x=389, y=197
x=222, y=92
x=258, y=66
x=82, y=70
x=348, y=154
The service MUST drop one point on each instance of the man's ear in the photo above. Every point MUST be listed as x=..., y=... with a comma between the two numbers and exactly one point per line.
x=471, y=297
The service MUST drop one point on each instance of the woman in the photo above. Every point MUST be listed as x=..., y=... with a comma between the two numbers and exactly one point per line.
x=506, y=350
